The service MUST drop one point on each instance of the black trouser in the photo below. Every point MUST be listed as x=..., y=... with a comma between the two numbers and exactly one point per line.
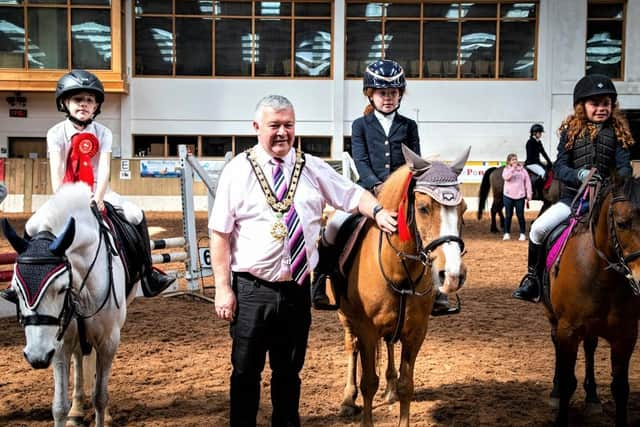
x=509, y=205
x=274, y=318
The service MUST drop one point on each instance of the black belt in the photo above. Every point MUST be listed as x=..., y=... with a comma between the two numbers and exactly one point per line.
x=261, y=282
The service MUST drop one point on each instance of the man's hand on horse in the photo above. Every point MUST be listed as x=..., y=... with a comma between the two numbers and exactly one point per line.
x=99, y=204
x=386, y=220
x=225, y=303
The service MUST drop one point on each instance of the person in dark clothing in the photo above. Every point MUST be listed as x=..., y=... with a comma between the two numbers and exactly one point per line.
x=597, y=136
x=376, y=144
x=535, y=149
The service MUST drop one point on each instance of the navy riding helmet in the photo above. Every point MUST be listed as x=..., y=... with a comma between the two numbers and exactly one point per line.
x=77, y=81
x=384, y=74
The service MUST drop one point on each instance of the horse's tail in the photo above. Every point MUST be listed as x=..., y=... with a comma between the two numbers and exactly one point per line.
x=483, y=193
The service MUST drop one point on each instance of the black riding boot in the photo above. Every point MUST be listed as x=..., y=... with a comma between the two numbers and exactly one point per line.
x=441, y=306
x=530, y=289
x=10, y=295
x=153, y=281
x=321, y=273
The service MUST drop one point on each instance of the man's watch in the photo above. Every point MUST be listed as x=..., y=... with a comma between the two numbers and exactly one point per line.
x=376, y=211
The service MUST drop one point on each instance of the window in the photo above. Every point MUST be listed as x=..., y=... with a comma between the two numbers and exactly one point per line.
x=605, y=28
x=444, y=39
x=59, y=35
x=218, y=145
x=233, y=38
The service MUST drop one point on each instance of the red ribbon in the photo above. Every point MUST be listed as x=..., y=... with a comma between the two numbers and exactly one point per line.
x=83, y=147
x=403, y=228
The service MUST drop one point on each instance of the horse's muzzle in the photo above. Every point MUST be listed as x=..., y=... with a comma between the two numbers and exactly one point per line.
x=39, y=362
x=451, y=283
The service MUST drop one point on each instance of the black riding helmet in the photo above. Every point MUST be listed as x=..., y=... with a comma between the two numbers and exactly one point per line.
x=594, y=85
x=535, y=128
x=78, y=81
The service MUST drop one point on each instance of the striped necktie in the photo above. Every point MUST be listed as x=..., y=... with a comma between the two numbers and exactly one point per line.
x=295, y=237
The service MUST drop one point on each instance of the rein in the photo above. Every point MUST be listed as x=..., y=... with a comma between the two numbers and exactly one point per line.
x=423, y=256
x=70, y=306
x=620, y=265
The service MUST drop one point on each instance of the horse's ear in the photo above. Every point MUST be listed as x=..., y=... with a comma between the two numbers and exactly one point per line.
x=415, y=162
x=459, y=163
x=17, y=243
x=64, y=239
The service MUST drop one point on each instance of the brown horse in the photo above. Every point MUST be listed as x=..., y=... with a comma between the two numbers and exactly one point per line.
x=594, y=293
x=492, y=180
x=392, y=280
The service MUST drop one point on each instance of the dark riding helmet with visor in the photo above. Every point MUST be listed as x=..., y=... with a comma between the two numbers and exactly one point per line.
x=594, y=85
x=384, y=74
x=535, y=128
x=78, y=81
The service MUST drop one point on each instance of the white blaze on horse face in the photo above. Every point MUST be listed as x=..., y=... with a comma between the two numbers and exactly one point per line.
x=453, y=260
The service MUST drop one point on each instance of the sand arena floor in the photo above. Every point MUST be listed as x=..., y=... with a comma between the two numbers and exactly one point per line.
x=492, y=365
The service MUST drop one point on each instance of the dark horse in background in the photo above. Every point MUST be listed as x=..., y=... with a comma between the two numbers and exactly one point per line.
x=595, y=292
x=492, y=180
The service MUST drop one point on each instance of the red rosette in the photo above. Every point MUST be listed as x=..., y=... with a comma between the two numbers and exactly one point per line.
x=85, y=143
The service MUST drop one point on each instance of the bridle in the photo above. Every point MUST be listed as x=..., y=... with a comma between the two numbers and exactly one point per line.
x=71, y=305
x=621, y=263
x=422, y=255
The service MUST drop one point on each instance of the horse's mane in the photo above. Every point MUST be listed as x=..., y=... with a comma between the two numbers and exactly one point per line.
x=70, y=200
x=392, y=190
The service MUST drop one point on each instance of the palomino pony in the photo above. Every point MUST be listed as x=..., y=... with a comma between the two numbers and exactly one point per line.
x=392, y=280
x=492, y=180
x=594, y=292
x=71, y=290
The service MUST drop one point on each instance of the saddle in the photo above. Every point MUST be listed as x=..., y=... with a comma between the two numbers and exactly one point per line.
x=128, y=243
x=348, y=239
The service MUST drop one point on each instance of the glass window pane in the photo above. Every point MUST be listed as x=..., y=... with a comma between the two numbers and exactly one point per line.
x=48, y=38
x=478, y=10
x=441, y=11
x=231, y=8
x=216, y=146
x=615, y=11
x=12, y=36
x=364, y=45
x=604, y=48
x=519, y=10
x=272, y=47
x=319, y=146
x=313, y=48
x=90, y=2
x=193, y=47
x=273, y=8
x=313, y=9
x=148, y=145
x=233, y=47
x=194, y=7
x=403, y=10
x=403, y=45
x=48, y=1
x=154, y=46
x=517, y=49
x=153, y=6
x=91, y=39
x=369, y=10
x=440, y=56
x=243, y=143
x=477, y=48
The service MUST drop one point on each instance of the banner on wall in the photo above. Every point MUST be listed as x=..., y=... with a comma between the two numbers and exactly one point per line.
x=474, y=170
x=160, y=168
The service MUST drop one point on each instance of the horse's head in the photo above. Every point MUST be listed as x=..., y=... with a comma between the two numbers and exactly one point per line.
x=42, y=280
x=430, y=215
x=623, y=228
